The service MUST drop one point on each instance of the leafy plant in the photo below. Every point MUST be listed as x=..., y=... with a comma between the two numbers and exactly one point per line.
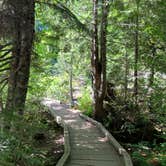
x=85, y=103
x=20, y=138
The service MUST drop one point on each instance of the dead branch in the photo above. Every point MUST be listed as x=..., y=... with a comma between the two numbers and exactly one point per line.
x=4, y=64
x=5, y=45
x=6, y=59
x=5, y=54
x=4, y=85
x=5, y=69
x=5, y=79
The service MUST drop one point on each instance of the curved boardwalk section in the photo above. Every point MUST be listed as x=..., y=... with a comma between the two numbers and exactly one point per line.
x=89, y=145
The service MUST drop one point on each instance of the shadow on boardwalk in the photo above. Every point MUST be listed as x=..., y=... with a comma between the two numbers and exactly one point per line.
x=89, y=146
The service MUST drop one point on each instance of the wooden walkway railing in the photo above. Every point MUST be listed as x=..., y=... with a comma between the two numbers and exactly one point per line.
x=87, y=142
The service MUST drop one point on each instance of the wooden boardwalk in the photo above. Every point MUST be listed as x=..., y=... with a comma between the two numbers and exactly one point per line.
x=89, y=146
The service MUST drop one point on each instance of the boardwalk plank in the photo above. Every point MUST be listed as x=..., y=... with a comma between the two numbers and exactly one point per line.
x=89, y=147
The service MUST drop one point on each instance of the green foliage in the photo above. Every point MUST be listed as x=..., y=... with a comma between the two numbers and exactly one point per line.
x=129, y=127
x=139, y=160
x=57, y=41
x=144, y=155
x=17, y=138
x=85, y=103
x=158, y=101
x=58, y=88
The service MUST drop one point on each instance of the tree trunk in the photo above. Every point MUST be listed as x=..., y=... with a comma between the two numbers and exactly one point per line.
x=1, y=104
x=20, y=67
x=126, y=77
x=136, y=58
x=152, y=71
x=95, y=56
x=71, y=81
x=13, y=68
x=151, y=78
x=103, y=46
x=98, y=60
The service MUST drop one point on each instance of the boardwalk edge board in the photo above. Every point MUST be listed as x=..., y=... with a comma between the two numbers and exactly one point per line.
x=67, y=149
x=121, y=151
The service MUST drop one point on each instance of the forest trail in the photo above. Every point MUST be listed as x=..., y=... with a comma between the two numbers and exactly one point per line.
x=89, y=146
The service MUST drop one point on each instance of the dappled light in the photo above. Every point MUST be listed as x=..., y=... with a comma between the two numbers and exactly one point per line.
x=86, y=139
x=82, y=82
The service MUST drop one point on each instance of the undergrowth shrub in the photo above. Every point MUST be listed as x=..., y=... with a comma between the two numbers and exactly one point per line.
x=85, y=103
x=20, y=144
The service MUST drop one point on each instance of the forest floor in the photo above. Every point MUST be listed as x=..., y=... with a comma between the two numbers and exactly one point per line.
x=32, y=140
x=50, y=142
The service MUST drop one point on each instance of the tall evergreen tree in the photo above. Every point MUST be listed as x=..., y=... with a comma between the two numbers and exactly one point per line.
x=22, y=39
x=98, y=58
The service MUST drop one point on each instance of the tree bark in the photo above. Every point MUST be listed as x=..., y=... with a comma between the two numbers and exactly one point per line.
x=151, y=77
x=1, y=104
x=152, y=71
x=95, y=56
x=126, y=77
x=13, y=67
x=98, y=60
x=136, y=57
x=71, y=81
x=20, y=66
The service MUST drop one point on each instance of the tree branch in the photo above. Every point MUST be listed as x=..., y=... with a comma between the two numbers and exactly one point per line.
x=4, y=64
x=5, y=45
x=5, y=69
x=5, y=79
x=5, y=54
x=5, y=59
x=5, y=83
x=71, y=16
